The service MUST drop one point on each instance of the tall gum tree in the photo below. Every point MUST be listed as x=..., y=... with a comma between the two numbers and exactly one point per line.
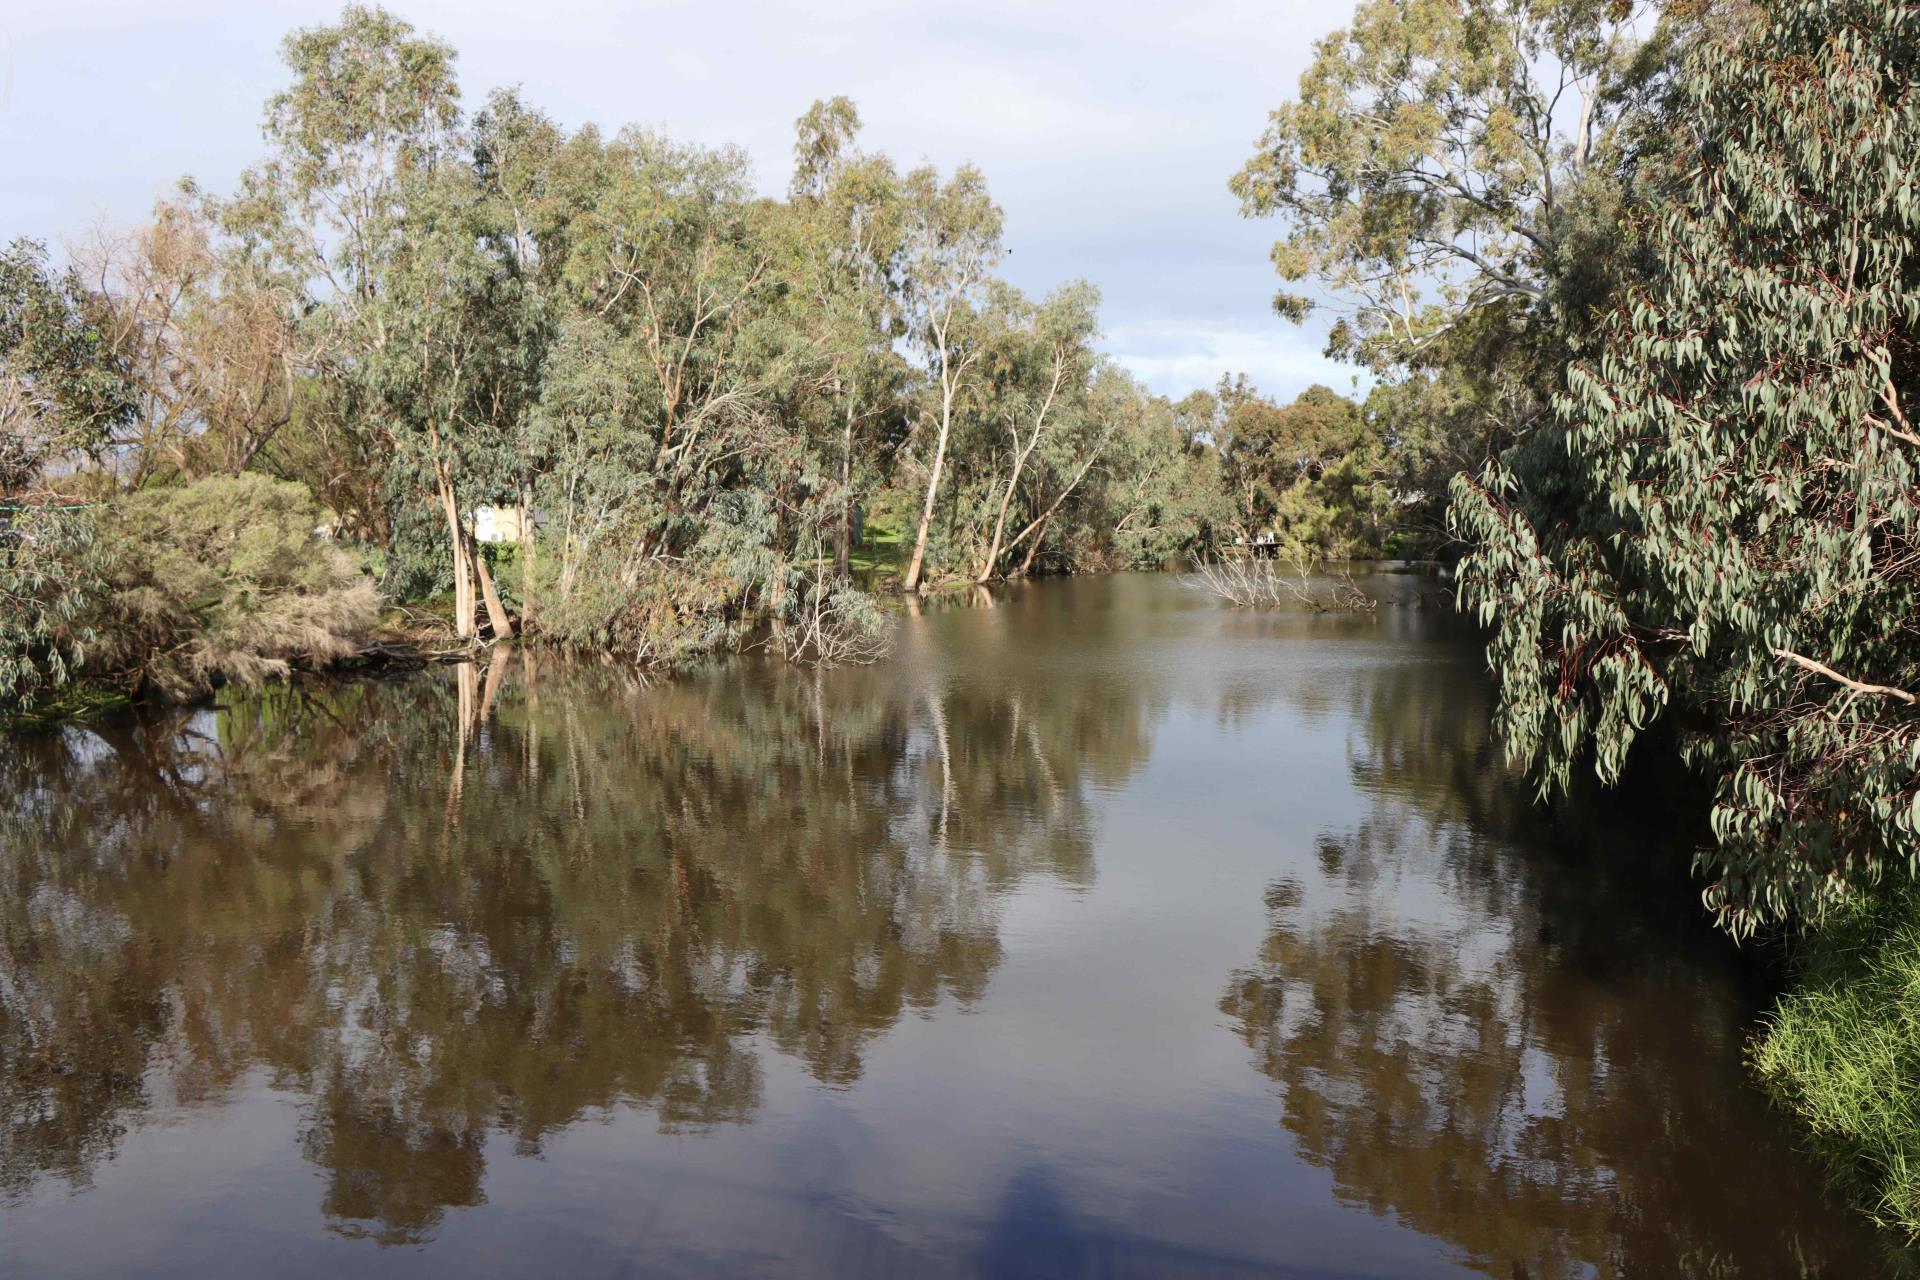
x=1747, y=546
x=847, y=208
x=1047, y=361
x=952, y=248
x=1423, y=171
x=514, y=146
x=370, y=100
x=372, y=112
x=1445, y=183
x=452, y=370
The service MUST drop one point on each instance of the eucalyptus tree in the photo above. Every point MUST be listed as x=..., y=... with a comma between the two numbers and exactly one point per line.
x=848, y=207
x=63, y=396
x=1309, y=477
x=1425, y=171
x=1743, y=539
x=1447, y=181
x=1162, y=500
x=371, y=101
x=456, y=366
x=63, y=392
x=420, y=329
x=372, y=107
x=514, y=147
x=1047, y=364
x=1067, y=458
x=654, y=406
x=952, y=247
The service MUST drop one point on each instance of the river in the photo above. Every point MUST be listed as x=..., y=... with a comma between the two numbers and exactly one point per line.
x=1102, y=930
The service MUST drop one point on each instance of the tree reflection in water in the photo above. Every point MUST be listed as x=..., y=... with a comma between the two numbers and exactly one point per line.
x=437, y=920
x=1480, y=1030
x=495, y=902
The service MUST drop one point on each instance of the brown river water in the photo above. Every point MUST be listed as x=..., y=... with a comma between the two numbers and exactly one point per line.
x=1102, y=930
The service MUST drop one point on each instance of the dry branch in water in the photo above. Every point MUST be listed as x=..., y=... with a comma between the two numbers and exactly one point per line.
x=835, y=628
x=1255, y=583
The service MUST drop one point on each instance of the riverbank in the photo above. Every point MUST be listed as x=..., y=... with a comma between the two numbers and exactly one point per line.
x=238, y=611
x=407, y=638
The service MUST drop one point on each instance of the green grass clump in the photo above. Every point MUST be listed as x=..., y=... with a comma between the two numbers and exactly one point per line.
x=882, y=552
x=1842, y=1051
x=75, y=703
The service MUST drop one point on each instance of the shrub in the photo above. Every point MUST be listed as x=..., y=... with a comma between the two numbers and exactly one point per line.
x=47, y=552
x=172, y=591
x=1842, y=1051
x=225, y=579
x=666, y=612
x=830, y=623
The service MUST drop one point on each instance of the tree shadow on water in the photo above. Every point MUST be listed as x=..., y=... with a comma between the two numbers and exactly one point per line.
x=1503, y=1027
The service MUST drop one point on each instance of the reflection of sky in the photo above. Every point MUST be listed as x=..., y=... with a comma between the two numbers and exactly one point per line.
x=1108, y=131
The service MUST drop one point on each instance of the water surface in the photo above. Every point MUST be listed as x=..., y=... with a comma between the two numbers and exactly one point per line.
x=1102, y=931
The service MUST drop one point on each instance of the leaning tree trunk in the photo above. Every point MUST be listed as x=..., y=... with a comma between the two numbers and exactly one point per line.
x=463, y=624
x=914, y=567
x=843, y=542
x=1020, y=456
x=1040, y=534
x=1037, y=530
x=527, y=553
x=496, y=612
x=992, y=561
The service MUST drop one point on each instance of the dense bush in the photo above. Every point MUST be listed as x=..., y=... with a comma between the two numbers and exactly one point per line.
x=1842, y=1051
x=226, y=580
x=47, y=584
x=175, y=590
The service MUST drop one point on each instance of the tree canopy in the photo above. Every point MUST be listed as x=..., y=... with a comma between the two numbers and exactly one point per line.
x=1745, y=543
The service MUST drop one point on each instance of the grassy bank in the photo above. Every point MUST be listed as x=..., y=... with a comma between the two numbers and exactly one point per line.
x=1842, y=1051
x=71, y=704
x=881, y=556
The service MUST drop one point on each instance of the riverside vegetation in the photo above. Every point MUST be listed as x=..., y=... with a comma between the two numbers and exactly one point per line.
x=407, y=313
x=1635, y=284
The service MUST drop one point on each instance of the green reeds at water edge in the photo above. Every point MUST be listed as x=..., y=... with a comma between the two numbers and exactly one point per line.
x=1842, y=1051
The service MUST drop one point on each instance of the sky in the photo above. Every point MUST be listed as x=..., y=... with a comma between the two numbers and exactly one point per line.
x=1107, y=131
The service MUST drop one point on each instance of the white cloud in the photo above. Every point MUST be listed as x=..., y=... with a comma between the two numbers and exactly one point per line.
x=1107, y=130
x=1281, y=359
